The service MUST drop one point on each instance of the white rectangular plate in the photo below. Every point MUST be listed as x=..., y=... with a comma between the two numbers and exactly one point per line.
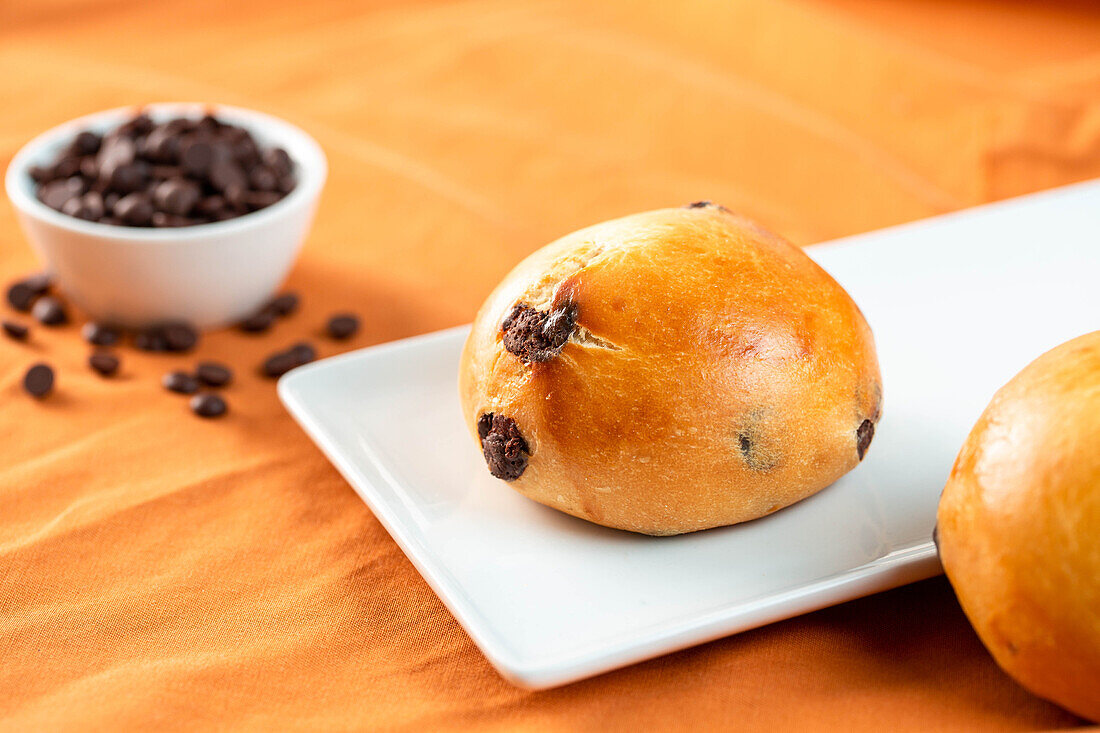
x=958, y=304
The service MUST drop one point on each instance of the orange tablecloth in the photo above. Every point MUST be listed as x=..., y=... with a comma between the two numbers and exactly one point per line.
x=159, y=571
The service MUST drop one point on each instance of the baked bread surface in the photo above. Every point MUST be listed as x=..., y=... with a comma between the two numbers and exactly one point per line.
x=709, y=373
x=1019, y=526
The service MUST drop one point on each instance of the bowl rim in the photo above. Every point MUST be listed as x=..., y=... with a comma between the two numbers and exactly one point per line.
x=305, y=152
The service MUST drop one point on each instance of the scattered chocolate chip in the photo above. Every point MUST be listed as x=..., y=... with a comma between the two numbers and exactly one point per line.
x=23, y=293
x=49, y=311
x=303, y=353
x=151, y=340
x=181, y=382
x=208, y=404
x=535, y=336
x=342, y=326
x=284, y=304
x=100, y=334
x=21, y=297
x=38, y=381
x=179, y=336
x=504, y=447
x=279, y=364
x=259, y=322
x=864, y=433
x=103, y=362
x=15, y=330
x=40, y=283
x=213, y=374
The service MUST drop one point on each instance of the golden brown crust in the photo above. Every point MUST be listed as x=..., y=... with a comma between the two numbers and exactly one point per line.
x=715, y=373
x=1019, y=526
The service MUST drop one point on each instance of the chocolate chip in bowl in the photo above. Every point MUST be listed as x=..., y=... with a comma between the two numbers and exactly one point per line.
x=173, y=212
x=144, y=173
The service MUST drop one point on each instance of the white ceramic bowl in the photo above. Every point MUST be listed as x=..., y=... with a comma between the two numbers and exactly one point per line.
x=208, y=274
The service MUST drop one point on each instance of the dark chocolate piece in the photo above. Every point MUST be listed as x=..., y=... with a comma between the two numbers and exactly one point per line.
x=181, y=382
x=303, y=353
x=504, y=447
x=535, y=336
x=756, y=457
x=103, y=362
x=38, y=381
x=15, y=330
x=342, y=326
x=21, y=296
x=100, y=334
x=259, y=322
x=279, y=364
x=285, y=304
x=208, y=404
x=706, y=205
x=179, y=336
x=151, y=340
x=50, y=311
x=864, y=433
x=213, y=374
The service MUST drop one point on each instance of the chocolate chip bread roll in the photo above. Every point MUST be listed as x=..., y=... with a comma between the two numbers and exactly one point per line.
x=668, y=372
